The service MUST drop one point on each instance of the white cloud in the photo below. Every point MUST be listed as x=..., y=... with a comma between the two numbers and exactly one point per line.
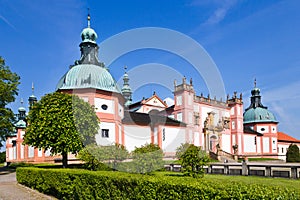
x=221, y=11
x=169, y=101
x=284, y=103
x=287, y=92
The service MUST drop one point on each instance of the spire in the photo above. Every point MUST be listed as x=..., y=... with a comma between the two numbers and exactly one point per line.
x=32, y=88
x=88, y=46
x=89, y=18
x=32, y=99
x=255, y=98
x=126, y=90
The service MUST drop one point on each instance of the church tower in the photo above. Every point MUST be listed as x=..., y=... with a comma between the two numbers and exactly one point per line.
x=90, y=79
x=258, y=118
x=184, y=106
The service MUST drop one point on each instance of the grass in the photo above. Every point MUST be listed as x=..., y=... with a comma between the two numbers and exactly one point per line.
x=293, y=184
x=279, y=182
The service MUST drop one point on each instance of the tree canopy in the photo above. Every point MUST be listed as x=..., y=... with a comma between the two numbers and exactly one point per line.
x=9, y=82
x=95, y=156
x=62, y=123
x=147, y=158
x=181, y=150
x=193, y=160
x=293, y=154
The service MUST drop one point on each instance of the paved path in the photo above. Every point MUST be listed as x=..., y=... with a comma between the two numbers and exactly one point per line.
x=11, y=190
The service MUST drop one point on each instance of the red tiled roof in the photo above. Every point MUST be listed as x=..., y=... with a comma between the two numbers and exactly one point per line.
x=285, y=137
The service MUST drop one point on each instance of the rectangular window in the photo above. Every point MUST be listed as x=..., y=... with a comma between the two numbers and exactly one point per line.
x=105, y=133
x=196, y=120
x=189, y=100
x=30, y=152
x=179, y=100
x=232, y=125
x=179, y=117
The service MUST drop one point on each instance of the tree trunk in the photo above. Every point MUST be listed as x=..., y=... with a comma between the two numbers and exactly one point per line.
x=65, y=159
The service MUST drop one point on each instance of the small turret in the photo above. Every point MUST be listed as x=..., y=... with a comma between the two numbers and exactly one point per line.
x=21, y=116
x=88, y=46
x=32, y=99
x=126, y=90
x=255, y=98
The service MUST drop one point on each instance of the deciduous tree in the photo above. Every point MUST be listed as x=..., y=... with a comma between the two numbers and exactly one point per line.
x=63, y=123
x=9, y=82
x=181, y=150
x=147, y=158
x=193, y=160
x=94, y=155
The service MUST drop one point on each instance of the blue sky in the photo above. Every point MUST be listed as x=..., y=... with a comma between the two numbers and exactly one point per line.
x=246, y=39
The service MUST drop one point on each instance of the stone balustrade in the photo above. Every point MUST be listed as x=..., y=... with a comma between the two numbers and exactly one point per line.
x=268, y=169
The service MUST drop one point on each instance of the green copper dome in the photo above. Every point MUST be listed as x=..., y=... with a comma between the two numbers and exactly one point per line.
x=21, y=109
x=258, y=114
x=89, y=35
x=88, y=76
x=20, y=124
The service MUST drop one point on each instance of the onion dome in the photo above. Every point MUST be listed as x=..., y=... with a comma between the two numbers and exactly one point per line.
x=88, y=34
x=256, y=112
x=20, y=124
x=88, y=72
x=88, y=76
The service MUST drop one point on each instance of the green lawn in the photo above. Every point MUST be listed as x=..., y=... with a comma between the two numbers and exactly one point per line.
x=293, y=184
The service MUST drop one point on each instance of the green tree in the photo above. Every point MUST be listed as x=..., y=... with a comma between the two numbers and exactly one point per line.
x=2, y=157
x=193, y=160
x=94, y=155
x=88, y=155
x=147, y=158
x=117, y=153
x=181, y=149
x=62, y=123
x=9, y=82
x=293, y=154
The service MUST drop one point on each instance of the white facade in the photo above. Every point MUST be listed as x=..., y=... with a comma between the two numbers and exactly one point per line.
x=136, y=136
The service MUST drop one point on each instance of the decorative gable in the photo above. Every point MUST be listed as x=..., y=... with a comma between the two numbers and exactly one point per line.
x=155, y=101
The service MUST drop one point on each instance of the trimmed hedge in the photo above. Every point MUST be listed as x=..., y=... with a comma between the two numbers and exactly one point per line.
x=83, y=184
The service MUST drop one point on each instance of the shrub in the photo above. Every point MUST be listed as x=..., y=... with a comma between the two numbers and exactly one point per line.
x=2, y=157
x=95, y=156
x=193, y=160
x=293, y=154
x=147, y=159
x=181, y=149
x=83, y=184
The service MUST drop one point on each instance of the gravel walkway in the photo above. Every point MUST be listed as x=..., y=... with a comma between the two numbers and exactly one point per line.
x=11, y=190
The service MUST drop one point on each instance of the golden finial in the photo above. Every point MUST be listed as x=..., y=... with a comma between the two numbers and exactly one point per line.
x=32, y=88
x=89, y=18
